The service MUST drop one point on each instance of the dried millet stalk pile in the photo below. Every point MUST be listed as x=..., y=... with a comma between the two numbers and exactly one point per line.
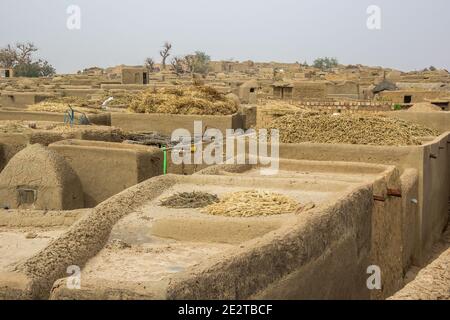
x=195, y=199
x=200, y=100
x=252, y=203
x=348, y=128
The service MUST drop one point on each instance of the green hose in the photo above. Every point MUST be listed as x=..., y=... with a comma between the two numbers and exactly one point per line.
x=165, y=160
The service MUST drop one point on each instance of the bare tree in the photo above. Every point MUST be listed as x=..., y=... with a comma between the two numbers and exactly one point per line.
x=8, y=56
x=150, y=64
x=190, y=63
x=165, y=53
x=178, y=65
x=24, y=52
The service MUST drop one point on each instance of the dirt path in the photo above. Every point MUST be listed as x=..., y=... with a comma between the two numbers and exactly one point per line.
x=433, y=281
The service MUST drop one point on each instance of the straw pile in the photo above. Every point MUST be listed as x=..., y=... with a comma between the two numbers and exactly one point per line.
x=13, y=127
x=348, y=128
x=120, y=98
x=199, y=100
x=195, y=199
x=424, y=107
x=252, y=203
x=60, y=107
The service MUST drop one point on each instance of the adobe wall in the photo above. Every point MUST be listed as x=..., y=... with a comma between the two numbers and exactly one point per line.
x=99, y=119
x=430, y=160
x=167, y=123
x=263, y=263
x=416, y=95
x=324, y=255
x=115, y=86
x=133, y=75
x=32, y=116
x=12, y=143
x=410, y=217
x=309, y=90
x=83, y=93
x=21, y=99
x=106, y=169
x=83, y=240
x=390, y=240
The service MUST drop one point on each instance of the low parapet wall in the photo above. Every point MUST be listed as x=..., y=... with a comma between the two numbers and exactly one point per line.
x=107, y=168
x=431, y=161
x=167, y=123
x=323, y=254
x=98, y=119
x=31, y=116
x=393, y=223
x=22, y=99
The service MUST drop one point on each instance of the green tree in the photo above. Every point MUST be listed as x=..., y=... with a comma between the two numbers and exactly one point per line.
x=198, y=62
x=325, y=63
x=20, y=58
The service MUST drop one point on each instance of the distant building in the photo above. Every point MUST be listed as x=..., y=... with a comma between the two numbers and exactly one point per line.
x=128, y=75
x=298, y=90
x=6, y=73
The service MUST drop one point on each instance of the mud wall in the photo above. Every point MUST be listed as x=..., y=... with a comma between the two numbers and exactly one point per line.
x=324, y=256
x=391, y=244
x=416, y=95
x=31, y=116
x=430, y=160
x=21, y=99
x=99, y=119
x=167, y=123
x=83, y=240
x=106, y=169
x=410, y=217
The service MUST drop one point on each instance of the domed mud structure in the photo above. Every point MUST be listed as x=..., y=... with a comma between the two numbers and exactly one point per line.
x=39, y=178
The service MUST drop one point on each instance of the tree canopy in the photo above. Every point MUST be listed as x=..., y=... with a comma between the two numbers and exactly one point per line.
x=325, y=63
x=20, y=58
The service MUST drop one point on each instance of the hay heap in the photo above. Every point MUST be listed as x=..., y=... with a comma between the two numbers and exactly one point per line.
x=252, y=203
x=60, y=107
x=121, y=99
x=195, y=199
x=199, y=100
x=348, y=128
x=424, y=107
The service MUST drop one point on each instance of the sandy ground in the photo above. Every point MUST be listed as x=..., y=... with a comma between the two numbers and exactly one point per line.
x=18, y=244
x=433, y=281
x=148, y=262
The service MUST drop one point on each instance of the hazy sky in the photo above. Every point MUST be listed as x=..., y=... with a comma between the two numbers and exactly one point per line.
x=414, y=34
